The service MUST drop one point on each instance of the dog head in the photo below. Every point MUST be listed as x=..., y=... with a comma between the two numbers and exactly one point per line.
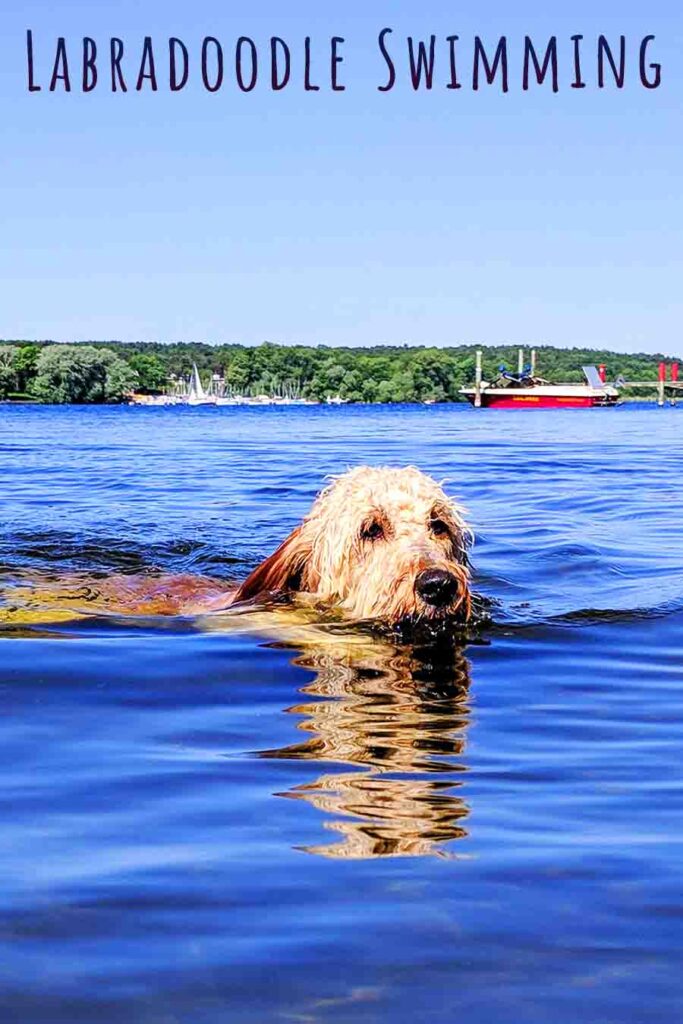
x=379, y=543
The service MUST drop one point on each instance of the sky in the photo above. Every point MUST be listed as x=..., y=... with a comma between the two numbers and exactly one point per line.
x=343, y=218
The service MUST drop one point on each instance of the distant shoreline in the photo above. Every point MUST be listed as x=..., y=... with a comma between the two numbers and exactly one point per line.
x=107, y=372
x=458, y=402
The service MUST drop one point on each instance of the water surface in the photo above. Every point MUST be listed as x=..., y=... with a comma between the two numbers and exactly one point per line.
x=206, y=824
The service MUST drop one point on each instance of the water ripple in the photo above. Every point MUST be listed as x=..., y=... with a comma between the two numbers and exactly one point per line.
x=251, y=821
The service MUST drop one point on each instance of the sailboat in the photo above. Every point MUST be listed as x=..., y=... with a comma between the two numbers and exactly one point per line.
x=196, y=394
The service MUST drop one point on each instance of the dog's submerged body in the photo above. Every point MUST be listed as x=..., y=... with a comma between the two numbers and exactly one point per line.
x=379, y=543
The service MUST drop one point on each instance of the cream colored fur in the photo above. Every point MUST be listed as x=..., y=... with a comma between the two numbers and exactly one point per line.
x=364, y=542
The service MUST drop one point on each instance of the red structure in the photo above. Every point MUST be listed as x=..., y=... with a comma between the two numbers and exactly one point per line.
x=499, y=400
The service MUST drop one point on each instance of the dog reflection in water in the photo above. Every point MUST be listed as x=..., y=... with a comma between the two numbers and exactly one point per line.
x=398, y=716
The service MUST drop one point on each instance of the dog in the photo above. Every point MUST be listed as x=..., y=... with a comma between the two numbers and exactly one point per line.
x=381, y=544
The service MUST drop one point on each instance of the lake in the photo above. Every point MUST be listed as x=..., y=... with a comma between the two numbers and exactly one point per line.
x=223, y=824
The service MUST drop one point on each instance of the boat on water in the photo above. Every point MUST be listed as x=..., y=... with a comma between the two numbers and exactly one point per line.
x=191, y=391
x=197, y=395
x=141, y=398
x=524, y=390
x=184, y=393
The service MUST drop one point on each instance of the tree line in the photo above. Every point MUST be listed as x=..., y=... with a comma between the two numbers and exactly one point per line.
x=98, y=372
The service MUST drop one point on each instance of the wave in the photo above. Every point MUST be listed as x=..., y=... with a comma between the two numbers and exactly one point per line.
x=73, y=552
x=501, y=605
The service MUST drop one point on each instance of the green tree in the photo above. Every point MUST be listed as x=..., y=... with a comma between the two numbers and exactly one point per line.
x=152, y=374
x=8, y=370
x=25, y=364
x=121, y=379
x=238, y=373
x=81, y=373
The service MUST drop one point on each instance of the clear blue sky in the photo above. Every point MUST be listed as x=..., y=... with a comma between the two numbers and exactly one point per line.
x=350, y=218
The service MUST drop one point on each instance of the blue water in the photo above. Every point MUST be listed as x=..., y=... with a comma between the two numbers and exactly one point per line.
x=223, y=824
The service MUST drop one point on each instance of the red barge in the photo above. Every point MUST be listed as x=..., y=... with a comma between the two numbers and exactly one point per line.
x=524, y=390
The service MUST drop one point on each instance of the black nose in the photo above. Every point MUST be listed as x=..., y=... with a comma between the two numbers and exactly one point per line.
x=437, y=587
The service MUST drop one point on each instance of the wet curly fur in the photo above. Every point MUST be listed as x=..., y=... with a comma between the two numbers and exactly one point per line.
x=368, y=541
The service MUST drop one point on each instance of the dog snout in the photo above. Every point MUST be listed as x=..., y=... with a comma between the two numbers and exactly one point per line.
x=436, y=587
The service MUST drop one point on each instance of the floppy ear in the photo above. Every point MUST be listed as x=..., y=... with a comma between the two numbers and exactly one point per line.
x=281, y=572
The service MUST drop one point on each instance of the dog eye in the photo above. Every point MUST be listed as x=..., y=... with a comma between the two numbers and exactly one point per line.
x=373, y=531
x=439, y=528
